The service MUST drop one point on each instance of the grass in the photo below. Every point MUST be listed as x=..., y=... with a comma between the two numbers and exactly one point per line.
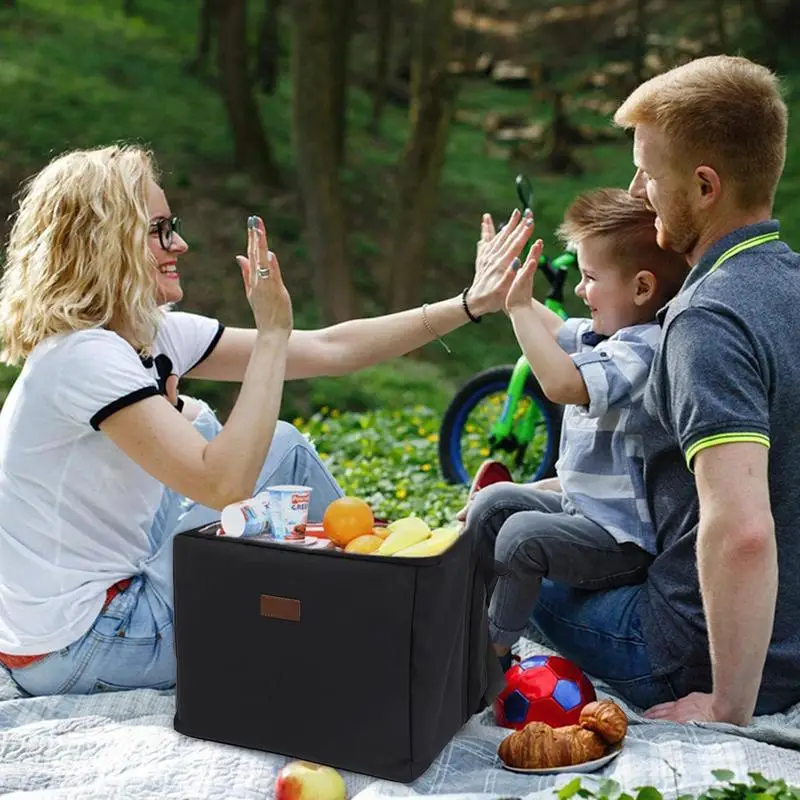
x=388, y=458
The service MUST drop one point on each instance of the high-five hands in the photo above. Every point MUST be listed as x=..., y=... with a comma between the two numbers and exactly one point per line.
x=520, y=295
x=495, y=253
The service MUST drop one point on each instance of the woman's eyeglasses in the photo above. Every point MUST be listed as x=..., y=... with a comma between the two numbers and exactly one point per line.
x=166, y=228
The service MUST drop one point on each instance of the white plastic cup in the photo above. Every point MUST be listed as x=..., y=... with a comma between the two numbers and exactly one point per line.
x=288, y=511
x=247, y=518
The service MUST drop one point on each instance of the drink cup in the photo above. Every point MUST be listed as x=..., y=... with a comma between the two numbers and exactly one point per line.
x=288, y=511
x=247, y=518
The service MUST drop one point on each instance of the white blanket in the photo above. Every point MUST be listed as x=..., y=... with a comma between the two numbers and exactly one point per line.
x=122, y=745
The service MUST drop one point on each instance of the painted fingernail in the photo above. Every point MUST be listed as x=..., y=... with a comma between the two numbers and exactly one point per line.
x=528, y=212
x=516, y=264
x=529, y=222
x=252, y=222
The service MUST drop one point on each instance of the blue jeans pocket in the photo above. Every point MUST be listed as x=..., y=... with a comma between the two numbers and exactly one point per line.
x=101, y=686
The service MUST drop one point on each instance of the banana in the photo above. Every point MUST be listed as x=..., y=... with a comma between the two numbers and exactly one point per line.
x=403, y=533
x=436, y=543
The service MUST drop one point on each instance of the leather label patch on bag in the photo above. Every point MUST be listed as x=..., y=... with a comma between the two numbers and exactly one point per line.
x=280, y=608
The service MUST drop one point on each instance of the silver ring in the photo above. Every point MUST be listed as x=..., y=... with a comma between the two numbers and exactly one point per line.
x=263, y=272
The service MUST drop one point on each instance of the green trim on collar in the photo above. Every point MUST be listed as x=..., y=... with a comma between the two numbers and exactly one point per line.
x=745, y=245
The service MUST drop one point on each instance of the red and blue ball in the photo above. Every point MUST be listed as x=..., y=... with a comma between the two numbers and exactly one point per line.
x=547, y=689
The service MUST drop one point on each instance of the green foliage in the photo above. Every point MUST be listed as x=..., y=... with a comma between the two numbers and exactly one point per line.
x=81, y=74
x=759, y=788
x=400, y=384
x=387, y=458
x=7, y=377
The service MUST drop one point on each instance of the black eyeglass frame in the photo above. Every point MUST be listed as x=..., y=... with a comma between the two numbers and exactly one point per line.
x=166, y=228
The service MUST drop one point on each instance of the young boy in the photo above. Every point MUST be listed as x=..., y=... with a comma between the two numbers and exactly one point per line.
x=591, y=528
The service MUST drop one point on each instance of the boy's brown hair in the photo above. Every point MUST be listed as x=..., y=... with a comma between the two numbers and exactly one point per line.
x=628, y=227
x=723, y=111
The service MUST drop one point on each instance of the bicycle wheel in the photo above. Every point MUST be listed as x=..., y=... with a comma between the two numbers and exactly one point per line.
x=465, y=433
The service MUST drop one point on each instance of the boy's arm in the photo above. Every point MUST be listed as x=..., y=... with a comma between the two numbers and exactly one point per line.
x=551, y=321
x=560, y=379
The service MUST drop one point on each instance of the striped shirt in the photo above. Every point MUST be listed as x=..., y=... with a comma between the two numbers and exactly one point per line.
x=600, y=463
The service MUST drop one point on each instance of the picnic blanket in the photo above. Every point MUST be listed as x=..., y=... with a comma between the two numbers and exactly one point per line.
x=122, y=745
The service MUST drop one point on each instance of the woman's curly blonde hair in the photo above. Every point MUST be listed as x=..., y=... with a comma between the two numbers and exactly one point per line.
x=78, y=253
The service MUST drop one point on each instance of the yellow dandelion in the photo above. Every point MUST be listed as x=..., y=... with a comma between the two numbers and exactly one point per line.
x=325, y=427
x=336, y=413
x=408, y=448
x=297, y=422
x=401, y=493
x=484, y=451
x=421, y=431
x=470, y=429
x=434, y=437
x=323, y=410
x=426, y=467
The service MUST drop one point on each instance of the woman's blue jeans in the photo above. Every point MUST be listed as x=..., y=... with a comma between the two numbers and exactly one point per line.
x=131, y=644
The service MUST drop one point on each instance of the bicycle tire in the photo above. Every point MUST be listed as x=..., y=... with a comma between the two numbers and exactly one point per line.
x=478, y=387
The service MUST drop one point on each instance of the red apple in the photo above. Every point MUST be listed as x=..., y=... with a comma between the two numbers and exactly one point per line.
x=302, y=780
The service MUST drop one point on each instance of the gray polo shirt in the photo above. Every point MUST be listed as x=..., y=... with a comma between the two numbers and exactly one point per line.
x=727, y=370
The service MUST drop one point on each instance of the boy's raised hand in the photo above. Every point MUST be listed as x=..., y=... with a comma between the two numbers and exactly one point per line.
x=520, y=295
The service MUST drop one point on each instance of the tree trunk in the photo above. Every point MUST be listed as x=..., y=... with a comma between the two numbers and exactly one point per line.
x=722, y=28
x=317, y=163
x=208, y=11
x=250, y=144
x=760, y=8
x=382, y=60
x=267, y=54
x=561, y=158
x=433, y=93
x=640, y=41
x=342, y=15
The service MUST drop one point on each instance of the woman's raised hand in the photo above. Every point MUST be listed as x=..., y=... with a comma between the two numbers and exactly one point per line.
x=496, y=251
x=263, y=283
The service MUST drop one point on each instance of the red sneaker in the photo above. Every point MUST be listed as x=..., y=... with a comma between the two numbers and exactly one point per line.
x=488, y=473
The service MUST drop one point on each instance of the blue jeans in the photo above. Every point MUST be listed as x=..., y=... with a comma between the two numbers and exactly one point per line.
x=131, y=645
x=602, y=633
x=589, y=623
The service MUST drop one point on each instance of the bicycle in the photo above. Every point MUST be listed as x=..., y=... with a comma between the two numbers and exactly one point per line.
x=528, y=425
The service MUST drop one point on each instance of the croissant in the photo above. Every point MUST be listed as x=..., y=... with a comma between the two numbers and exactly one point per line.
x=605, y=718
x=538, y=746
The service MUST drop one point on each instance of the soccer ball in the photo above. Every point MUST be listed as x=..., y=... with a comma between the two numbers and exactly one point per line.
x=543, y=689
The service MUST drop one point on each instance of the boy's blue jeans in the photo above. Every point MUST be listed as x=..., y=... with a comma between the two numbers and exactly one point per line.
x=596, y=627
x=130, y=644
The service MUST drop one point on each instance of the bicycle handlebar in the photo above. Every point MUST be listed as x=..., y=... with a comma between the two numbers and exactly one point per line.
x=556, y=270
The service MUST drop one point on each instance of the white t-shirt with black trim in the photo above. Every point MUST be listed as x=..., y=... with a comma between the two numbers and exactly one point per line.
x=75, y=511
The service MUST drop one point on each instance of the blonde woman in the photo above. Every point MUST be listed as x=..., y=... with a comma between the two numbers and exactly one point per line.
x=98, y=469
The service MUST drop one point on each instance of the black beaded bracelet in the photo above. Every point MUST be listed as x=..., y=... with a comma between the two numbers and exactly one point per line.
x=466, y=307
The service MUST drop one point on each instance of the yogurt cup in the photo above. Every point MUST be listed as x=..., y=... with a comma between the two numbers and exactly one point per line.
x=288, y=511
x=247, y=518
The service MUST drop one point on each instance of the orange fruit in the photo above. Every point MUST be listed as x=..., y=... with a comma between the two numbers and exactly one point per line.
x=347, y=518
x=364, y=544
